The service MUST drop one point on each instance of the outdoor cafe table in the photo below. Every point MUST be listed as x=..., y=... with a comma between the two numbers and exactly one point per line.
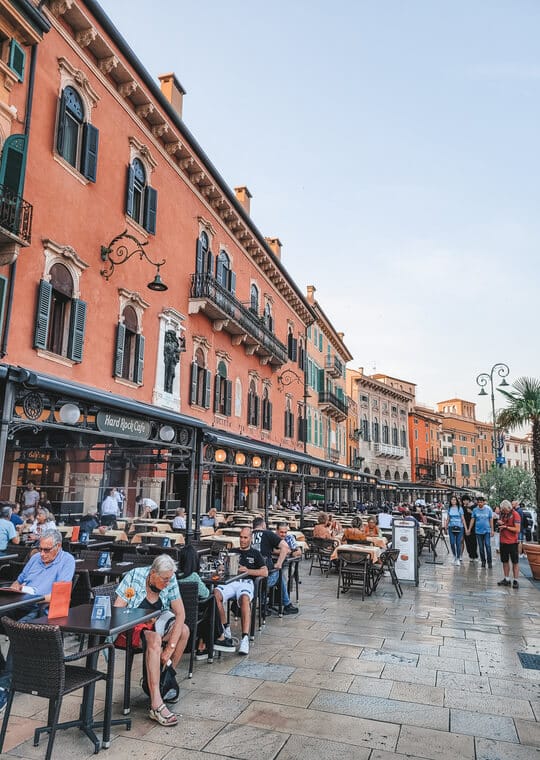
x=175, y=538
x=12, y=600
x=114, y=570
x=79, y=620
x=215, y=538
x=117, y=535
x=373, y=551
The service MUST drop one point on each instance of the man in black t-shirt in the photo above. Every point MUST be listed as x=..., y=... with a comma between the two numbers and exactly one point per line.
x=266, y=541
x=251, y=562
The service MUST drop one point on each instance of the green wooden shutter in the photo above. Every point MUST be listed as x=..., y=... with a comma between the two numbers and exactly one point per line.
x=257, y=409
x=13, y=163
x=228, y=397
x=207, y=384
x=217, y=385
x=43, y=314
x=139, y=358
x=17, y=59
x=90, y=152
x=269, y=415
x=130, y=190
x=61, y=124
x=194, y=376
x=320, y=381
x=232, y=282
x=76, y=330
x=150, y=210
x=3, y=288
x=199, y=263
x=119, y=351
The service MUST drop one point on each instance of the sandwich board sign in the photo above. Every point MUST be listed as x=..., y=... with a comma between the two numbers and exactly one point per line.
x=404, y=538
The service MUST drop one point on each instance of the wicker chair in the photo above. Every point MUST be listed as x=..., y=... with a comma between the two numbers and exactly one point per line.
x=321, y=554
x=40, y=668
x=387, y=560
x=195, y=611
x=354, y=572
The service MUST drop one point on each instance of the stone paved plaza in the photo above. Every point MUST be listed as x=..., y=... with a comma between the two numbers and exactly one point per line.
x=433, y=675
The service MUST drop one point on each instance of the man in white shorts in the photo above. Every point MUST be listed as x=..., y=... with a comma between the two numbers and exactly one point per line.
x=252, y=563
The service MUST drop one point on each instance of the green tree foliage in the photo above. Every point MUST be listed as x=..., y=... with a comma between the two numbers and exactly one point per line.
x=507, y=483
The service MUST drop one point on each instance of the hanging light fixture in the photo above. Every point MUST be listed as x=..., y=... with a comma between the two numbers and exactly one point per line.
x=220, y=455
x=240, y=458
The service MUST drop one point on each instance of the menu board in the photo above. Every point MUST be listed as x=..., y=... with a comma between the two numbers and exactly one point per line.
x=404, y=535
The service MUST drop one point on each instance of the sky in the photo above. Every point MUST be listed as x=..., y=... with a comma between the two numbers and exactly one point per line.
x=393, y=147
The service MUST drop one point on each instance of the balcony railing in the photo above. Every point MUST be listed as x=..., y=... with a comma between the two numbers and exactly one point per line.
x=334, y=405
x=334, y=455
x=387, y=450
x=222, y=305
x=334, y=366
x=15, y=214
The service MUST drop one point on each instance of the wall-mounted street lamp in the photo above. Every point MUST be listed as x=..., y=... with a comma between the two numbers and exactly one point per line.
x=288, y=377
x=117, y=253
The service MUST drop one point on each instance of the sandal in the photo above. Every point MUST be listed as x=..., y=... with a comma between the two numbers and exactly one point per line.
x=163, y=720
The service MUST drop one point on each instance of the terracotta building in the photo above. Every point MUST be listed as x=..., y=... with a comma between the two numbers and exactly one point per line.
x=156, y=328
x=425, y=428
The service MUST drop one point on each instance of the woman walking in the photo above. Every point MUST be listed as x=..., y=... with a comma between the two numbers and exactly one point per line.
x=456, y=527
x=470, y=534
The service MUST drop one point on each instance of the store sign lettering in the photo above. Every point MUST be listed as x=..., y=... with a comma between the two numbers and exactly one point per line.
x=108, y=422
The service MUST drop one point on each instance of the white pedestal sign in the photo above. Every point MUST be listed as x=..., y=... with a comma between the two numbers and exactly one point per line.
x=404, y=534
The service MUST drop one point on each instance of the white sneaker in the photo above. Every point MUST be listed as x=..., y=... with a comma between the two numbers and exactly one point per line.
x=227, y=632
x=244, y=645
x=458, y=562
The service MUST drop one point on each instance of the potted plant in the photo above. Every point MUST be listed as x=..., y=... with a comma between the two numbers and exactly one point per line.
x=524, y=409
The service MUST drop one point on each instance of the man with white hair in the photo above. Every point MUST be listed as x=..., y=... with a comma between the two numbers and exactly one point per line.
x=509, y=529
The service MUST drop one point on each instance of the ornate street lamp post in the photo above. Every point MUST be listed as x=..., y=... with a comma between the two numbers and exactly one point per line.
x=502, y=370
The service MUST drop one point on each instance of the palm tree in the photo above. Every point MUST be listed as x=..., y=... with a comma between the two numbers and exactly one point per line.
x=524, y=409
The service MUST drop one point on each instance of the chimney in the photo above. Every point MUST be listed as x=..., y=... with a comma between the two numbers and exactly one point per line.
x=275, y=245
x=341, y=335
x=173, y=91
x=243, y=197
x=311, y=289
x=360, y=370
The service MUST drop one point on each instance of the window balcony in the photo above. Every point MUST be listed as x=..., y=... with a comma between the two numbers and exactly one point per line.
x=15, y=219
x=392, y=452
x=334, y=366
x=333, y=455
x=227, y=313
x=334, y=406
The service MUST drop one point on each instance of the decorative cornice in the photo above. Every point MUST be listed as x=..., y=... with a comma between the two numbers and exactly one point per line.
x=127, y=88
x=201, y=340
x=108, y=64
x=174, y=147
x=67, y=252
x=80, y=79
x=60, y=7
x=145, y=110
x=143, y=151
x=158, y=130
x=85, y=36
x=134, y=297
x=204, y=223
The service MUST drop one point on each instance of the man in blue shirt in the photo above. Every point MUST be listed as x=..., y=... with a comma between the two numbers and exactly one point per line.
x=49, y=565
x=482, y=524
x=7, y=529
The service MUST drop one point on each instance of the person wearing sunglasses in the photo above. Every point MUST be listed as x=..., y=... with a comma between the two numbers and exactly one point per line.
x=47, y=566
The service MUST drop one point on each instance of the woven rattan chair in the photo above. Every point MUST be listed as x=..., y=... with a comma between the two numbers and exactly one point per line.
x=194, y=614
x=40, y=668
x=387, y=561
x=354, y=572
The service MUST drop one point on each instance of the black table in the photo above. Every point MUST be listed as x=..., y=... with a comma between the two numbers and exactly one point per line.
x=7, y=555
x=78, y=620
x=115, y=570
x=12, y=600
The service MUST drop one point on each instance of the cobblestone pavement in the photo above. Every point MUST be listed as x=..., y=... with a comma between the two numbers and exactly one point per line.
x=433, y=675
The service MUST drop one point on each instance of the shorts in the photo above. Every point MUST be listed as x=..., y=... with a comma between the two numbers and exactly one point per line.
x=236, y=589
x=509, y=552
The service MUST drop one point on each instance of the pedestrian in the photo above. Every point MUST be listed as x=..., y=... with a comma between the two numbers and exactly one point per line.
x=509, y=529
x=482, y=524
x=521, y=538
x=110, y=510
x=470, y=535
x=455, y=525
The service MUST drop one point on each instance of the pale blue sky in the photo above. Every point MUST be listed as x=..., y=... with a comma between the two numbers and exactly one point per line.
x=393, y=148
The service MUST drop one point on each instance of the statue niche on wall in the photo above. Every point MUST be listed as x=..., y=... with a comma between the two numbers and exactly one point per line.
x=171, y=357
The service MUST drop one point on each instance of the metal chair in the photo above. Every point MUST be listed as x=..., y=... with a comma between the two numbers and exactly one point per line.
x=387, y=560
x=321, y=554
x=40, y=668
x=354, y=572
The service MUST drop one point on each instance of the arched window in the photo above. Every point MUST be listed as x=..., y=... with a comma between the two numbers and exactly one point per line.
x=254, y=299
x=253, y=405
x=367, y=470
x=200, y=381
x=268, y=318
x=289, y=420
x=61, y=318
x=301, y=354
x=405, y=476
x=403, y=436
x=309, y=429
x=377, y=473
x=395, y=441
x=387, y=475
x=396, y=475
x=385, y=437
x=224, y=274
x=203, y=257
x=266, y=411
x=222, y=391
x=76, y=139
x=129, y=357
x=375, y=427
x=301, y=425
x=238, y=398
x=292, y=345
x=365, y=428
x=141, y=199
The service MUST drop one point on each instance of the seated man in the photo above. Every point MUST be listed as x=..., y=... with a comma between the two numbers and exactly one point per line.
x=282, y=531
x=49, y=565
x=179, y=522
x=8, y=532
x=267, y=542
x=252, y=563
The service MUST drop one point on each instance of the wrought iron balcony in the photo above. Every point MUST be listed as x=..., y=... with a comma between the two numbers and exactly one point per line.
x=229, y=314
x=392, y=452
x=334, y=366
x=15, y=217
x=334, y=406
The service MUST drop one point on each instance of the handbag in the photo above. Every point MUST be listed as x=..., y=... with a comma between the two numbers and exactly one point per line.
x=168, y=685
x=455, y=529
